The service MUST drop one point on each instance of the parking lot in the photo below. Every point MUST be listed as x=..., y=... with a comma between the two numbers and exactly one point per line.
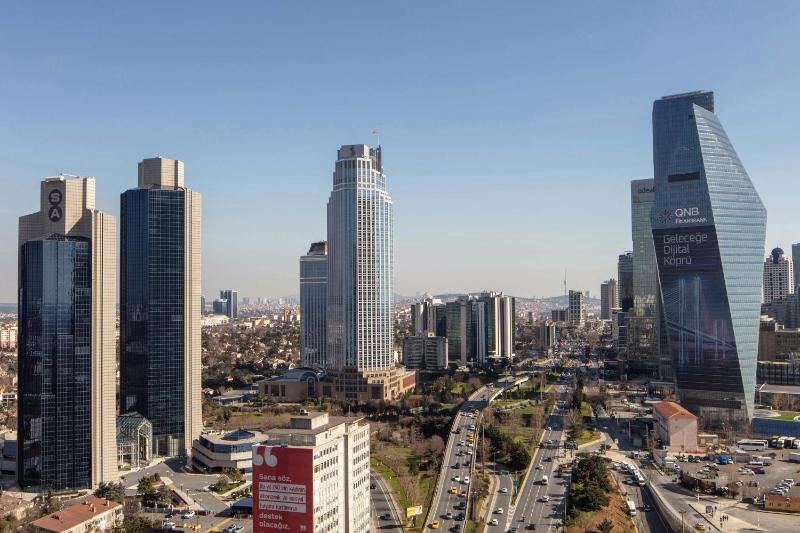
x=743, y=479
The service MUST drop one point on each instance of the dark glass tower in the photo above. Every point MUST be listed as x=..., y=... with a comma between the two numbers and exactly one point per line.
x=157, y=311
x=55, y=364
x=708, y=229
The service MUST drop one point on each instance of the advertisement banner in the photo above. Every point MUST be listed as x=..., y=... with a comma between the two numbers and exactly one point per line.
x=696, y=309
x=413, y=511
x=283, y=489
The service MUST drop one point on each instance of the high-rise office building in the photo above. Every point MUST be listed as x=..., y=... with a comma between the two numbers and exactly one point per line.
x=66, y=419
x=313, y=476
x=576, y=312
x=625, y=280
x=160, y=297
x=708, y=230
x=642, y=351
x=231, y=299
x=360, y=263
x=609, y=298
x=796, y=271
x=460, y=330
x=429, y=316
x=547, y=336
x=495, y=320
x=314, y=305
x=778, y=276
x=425, y=352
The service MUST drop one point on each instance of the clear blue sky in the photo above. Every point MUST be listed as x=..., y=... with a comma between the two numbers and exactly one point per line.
x=510, y=129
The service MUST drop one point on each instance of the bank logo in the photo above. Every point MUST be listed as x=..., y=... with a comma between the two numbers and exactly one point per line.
x=666, y=216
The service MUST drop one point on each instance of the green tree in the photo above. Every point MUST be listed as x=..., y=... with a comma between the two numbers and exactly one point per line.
x=111, y=491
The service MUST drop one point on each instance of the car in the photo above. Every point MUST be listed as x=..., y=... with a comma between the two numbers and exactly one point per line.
x=700, y=526
x=530, y=526
x=646, y=508
x=465, y=480
x=188, y=514
x=457, y=465
x=493, y=522
x=453, y=490
x=545, y=498
x=460, y=517
x=469, y=452
x=499, y=510
x=548, y=428
x=373, y=486
x=457, y=479
x=539, y=467
x=435, y=524
x=504, y=490
x=449, y=515
x=168, y=525
x=456, y=528
x=233, y=528
x=386, y=516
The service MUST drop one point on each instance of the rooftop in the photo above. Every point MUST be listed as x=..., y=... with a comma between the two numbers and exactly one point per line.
x=673, y=410
x=77, y=514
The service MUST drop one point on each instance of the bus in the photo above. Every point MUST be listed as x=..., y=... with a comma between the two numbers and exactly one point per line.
x=752, y=445
x=631, y=507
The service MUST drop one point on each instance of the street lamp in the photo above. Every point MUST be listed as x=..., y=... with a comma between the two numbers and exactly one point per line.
x=683, y=512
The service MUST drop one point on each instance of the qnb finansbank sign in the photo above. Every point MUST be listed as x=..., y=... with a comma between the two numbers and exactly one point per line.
x=682, y=216
x=283, y=489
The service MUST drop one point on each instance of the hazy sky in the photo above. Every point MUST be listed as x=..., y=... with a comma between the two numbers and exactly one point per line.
x=510, y=129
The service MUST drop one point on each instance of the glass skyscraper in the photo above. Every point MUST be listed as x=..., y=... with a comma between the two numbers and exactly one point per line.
x=66, y=417
x=160, y=305
x=314, y=305
x=708, y=229
x=625, y=280
x=360, y=263
x=642, y=332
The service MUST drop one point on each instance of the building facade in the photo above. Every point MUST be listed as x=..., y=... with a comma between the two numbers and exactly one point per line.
x=324, y=462
x=67, y=340
x=231, y=306
x=708, y=230
x=314, y=305
x=425, y=352
x=625, y=280
x=360, y=263
x=609, y=298
x=675, y=427
x=160, y=295
x=778, y=276
x=576, y=312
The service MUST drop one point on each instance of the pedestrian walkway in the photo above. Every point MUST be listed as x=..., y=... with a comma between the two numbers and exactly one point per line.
x=719, y=520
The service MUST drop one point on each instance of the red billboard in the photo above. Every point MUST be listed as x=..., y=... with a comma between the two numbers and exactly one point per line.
x=283, y=489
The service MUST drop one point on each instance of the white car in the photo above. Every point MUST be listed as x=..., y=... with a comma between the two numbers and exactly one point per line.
x=469, y=452
x=499, y=510
x=457, y=479
x=539, y=467
x=188, y=514
x=465, y=481
x=493, y=522
x=504, y=490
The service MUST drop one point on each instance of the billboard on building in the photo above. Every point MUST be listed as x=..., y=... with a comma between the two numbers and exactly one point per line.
x=283, y=489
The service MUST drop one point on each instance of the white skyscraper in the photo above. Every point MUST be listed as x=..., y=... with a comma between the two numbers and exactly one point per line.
x=360, y=236
x=778, y=276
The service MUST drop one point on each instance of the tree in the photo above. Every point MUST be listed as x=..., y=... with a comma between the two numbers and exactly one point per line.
x=606, y=526
x=111, y=491
x=134, y=524
x=233, y=474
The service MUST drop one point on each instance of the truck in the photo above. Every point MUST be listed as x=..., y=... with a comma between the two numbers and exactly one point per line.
x=764, y=460
x=724, y=460
x=794, y=457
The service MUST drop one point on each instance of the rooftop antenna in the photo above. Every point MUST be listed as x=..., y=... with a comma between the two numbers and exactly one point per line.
x=377, y=133
x=565, y=282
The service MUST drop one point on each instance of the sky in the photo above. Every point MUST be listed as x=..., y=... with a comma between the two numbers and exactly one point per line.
x=510, y=130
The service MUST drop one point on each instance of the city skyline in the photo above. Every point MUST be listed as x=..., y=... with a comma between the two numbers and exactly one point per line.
x=502, y=157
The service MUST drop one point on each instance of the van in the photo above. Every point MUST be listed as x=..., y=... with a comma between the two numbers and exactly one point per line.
x=545, y=480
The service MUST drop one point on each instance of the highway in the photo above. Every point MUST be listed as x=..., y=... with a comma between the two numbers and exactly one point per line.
x=458, y=464
x=502, y=500
x=531, y=511
x=384, y=515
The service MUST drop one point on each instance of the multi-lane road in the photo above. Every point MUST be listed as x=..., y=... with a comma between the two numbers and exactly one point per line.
x=449, y=506
x=541, y=501
x=384, y=514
